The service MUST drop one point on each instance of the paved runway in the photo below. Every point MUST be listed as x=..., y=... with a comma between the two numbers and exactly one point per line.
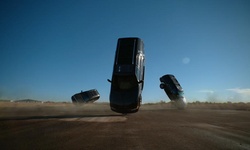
x=94, y=126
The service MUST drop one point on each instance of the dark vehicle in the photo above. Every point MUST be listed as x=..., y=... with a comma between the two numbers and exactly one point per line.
x=128, y=76
x=85, y=97
x=174, y=90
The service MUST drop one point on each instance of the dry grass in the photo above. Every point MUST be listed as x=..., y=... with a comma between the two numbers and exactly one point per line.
x=105, y=106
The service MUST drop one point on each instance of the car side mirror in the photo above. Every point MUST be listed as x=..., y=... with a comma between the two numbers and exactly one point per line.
x=140, y=81
x=109, y=80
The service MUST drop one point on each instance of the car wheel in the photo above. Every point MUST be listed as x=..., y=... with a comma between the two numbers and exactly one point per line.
x=162, y=85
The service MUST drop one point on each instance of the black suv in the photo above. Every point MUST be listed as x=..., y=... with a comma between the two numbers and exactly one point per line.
x=85, y=97
x=128, y=76
x=174, y=90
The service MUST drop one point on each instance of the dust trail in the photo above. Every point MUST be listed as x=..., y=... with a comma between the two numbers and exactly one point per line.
x=98, y=119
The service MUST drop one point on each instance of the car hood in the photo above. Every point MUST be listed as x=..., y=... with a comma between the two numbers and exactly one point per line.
x=124, y=97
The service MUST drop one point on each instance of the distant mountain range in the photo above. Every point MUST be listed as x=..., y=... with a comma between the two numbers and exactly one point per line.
x=22, y=101
x=28, y=101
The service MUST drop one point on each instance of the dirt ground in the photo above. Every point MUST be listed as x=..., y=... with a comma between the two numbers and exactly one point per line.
x=95, y=126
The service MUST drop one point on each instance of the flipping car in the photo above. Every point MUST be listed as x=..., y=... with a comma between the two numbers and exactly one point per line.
x=85, y=97
x=174, y=90
x=128, y=76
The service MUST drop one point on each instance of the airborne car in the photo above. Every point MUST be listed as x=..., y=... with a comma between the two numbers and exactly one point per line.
x=85, y=97
x=128, y=76
x=174, y=90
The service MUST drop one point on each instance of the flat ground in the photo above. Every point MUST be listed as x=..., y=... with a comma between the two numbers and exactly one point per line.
x=95, y=126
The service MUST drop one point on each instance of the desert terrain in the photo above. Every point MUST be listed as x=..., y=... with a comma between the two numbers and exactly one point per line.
x=203, y=126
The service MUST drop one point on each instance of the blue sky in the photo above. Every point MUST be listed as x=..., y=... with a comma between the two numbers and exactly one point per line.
x=51, y=49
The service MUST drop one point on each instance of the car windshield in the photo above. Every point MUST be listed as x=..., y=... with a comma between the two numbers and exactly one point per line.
x=125, y=82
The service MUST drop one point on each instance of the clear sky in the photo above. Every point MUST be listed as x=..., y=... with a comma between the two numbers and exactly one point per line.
x=52, y=49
